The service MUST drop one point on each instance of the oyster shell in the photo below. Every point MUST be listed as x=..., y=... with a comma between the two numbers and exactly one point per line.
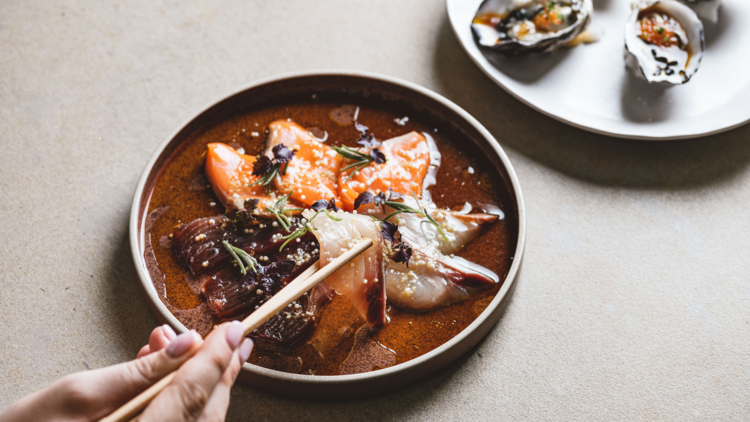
x=705, y=9
x=515, y=27
x=663, y=41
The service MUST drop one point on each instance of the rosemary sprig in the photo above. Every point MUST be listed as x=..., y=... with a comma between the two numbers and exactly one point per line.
x=360, y=160
x=279, y=211
x=304, y=228
x=400, y=208
x=267, y=178
x=239, y=255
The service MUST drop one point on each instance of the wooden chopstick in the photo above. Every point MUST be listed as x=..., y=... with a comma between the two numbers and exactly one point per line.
x=304, y=282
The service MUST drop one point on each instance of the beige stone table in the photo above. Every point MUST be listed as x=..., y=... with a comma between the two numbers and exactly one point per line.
x=634, y=300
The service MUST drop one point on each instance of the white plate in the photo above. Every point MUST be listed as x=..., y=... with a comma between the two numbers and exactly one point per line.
x=588, y=86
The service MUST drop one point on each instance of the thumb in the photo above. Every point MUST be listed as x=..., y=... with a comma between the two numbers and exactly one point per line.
x=95, y=394
x=117, y=384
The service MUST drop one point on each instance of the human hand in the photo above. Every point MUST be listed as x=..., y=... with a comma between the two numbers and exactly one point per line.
x=199, y=391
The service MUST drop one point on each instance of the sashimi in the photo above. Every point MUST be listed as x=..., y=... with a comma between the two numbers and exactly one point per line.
x=311, y=173
x=407, y=162
x=231, y=295
x=434, y=276
x=362, y=280
x=231, y=176
x=198, y=244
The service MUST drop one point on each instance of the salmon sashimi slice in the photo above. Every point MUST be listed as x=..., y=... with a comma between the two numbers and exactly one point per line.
x=231, y=176
x=311, y=173
x=435, y=277
x=363, y=279
x=407, y=164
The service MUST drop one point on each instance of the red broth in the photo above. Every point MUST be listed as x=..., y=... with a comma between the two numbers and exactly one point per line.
x=342, y=342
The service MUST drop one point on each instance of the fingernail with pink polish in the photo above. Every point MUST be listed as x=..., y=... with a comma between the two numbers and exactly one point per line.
x=245, y=349
x=235, y=333
x=168, y=332
x=181, y=344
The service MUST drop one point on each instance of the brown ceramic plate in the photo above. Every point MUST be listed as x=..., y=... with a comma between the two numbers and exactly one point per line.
x=406, y=96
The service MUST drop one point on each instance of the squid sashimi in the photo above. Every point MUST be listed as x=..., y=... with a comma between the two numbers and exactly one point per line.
x=311, y=173
x=231, y=176
x=407, y=162
x=434, y=276
x=363, y=279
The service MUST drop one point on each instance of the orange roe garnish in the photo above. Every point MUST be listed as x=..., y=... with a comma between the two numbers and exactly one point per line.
x=659, y=29
x=550, y=18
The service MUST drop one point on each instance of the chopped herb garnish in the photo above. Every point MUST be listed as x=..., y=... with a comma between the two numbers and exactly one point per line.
x=363, y=198
x=368, y=197
x=380, y=199
x=324, y=204
x=361, y=160
x=389, y=230
x=401, y=252
x=272, y=273
x=660, y=30
x=279, y=211
x=269, y=168
x=243, y=217
x=239, y=256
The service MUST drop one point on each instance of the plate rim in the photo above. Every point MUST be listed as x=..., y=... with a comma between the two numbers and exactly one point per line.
x=455, y=28
x=137, y=234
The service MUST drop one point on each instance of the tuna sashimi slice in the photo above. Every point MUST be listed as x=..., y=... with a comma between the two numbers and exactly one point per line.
x=362, y=280
x=198, y=244
x=230, y=295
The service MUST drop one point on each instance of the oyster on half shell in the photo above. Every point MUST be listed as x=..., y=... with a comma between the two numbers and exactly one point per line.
x=663, y=41
x=515, y=27
x=706, y=9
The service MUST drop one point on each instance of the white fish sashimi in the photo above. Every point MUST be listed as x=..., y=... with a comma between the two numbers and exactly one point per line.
x=435, y=277
x=363, y=279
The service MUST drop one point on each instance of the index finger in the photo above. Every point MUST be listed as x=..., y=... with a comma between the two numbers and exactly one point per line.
x=186, y=396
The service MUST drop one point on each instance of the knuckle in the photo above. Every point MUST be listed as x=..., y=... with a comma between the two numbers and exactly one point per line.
x=220, y=361
x=193, y=398
x=143, y=370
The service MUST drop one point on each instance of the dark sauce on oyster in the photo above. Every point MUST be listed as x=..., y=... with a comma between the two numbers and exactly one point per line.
x=668, y=38
x=531, y=21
